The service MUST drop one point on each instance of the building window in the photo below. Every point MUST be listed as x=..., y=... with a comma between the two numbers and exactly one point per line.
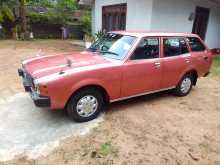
x=114, y=17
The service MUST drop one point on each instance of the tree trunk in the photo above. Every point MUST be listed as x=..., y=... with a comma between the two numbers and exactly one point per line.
x=22, y=11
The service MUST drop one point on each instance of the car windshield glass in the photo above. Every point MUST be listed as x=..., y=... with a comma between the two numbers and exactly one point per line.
x=115, y=46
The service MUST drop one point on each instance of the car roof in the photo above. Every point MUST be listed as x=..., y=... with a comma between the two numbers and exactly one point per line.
x=150, y=33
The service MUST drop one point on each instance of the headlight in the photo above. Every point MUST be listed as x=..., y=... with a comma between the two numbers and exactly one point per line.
x=37, y=88
x=40, y=89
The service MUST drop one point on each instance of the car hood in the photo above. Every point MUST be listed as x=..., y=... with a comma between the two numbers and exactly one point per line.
x=45, y=65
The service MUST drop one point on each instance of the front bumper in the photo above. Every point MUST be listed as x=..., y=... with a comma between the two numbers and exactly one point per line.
x=39, y=101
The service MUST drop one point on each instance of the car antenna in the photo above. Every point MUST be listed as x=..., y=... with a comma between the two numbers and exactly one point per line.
x=40, y=53
x=69, y=62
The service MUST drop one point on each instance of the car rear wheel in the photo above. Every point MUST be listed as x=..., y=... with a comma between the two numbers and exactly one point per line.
x=185, y=86
x=85, y=105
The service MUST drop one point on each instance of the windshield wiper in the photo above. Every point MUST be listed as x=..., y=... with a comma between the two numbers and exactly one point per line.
x=109, y=52
x=92, y=49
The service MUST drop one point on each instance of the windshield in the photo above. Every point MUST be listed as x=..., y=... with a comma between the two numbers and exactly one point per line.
x=115, y=46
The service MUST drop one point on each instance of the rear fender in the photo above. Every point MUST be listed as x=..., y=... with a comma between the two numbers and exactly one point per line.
x=188, y=70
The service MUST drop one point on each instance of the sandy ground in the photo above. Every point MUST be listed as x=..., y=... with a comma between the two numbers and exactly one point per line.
x=159, y=129
x=12, y=53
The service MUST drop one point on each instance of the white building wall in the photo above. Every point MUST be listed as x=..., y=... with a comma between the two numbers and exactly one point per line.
x=213, y=31
x=138, y=13
x=163, y=15
x=173, y=16
x=170, y=16
x=93, y=18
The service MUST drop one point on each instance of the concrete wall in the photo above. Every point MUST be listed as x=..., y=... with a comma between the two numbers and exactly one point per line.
x=138, y=13
x=163, y=15
x=172, y=16
x=213, y=31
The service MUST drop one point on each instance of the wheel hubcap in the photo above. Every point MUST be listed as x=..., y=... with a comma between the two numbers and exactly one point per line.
x=87, y=106
x=186, y=85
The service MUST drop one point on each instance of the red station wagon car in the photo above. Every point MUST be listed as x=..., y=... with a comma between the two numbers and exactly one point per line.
x=119, y=66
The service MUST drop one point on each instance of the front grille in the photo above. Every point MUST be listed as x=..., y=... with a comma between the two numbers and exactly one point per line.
x=28, y=79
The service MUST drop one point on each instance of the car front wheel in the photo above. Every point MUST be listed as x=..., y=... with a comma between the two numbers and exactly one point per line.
x=85, y=105
x=185, y=86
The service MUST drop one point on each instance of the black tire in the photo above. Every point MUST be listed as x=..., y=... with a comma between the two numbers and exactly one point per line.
x=179, y=90
x=72, y=104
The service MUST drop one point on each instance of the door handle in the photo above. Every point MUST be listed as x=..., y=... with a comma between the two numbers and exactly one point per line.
x=187, y=60
x=157, y=64
x=206, y=58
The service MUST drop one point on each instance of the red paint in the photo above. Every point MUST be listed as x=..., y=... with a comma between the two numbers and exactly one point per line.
x=119, y=78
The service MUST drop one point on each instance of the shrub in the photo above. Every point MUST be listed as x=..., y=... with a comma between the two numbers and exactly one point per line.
x=86, y=22
x=100, y=34
x=89, y=38
x=48, y=18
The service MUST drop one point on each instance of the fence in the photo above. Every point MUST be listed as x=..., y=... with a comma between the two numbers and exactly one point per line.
x=55, y=31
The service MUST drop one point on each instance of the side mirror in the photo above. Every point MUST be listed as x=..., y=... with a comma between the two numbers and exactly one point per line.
x=215, y=51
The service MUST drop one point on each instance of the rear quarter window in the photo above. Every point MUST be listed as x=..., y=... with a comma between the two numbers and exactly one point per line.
x=195, y=44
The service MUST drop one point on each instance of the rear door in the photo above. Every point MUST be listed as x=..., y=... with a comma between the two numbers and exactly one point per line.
x=176, y=59
x=200, y=55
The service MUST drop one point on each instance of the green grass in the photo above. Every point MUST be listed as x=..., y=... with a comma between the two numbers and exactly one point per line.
x=215, y=70
x=104, y=154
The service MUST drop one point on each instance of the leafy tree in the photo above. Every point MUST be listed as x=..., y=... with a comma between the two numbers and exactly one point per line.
x=13, y=13
x=60, y=5
x=23, y=19
x=66, y=5
x=59, y=11
x=6, y=10
x=86, y=24
x=45, y=3
x=7, y=15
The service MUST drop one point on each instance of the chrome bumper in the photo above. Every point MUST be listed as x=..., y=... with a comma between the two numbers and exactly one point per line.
x=39, y=101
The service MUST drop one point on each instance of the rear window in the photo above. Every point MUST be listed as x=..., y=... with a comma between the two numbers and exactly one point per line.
x=196, y=45
x=174, y=47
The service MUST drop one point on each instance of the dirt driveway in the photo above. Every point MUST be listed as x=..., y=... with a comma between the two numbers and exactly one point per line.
x=156, y=129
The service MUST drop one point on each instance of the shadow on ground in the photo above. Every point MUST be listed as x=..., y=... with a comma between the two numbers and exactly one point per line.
x=138, y=101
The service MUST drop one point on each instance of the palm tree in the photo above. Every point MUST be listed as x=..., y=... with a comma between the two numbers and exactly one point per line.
x=10, y=20
x=6, y=12
x=7, y=16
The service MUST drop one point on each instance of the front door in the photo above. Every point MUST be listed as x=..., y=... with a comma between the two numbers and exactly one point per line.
x=142, y=72
x=176, y=60
x=201, y=21
x=114, y=17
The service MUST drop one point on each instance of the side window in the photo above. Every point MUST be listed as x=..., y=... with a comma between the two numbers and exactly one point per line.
x=148, y=48
x=195, y=44
x=174, y=47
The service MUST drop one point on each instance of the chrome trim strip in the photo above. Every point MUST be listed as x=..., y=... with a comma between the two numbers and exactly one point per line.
x=142, y=94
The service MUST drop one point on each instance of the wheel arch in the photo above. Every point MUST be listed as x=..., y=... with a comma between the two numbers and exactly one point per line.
x=94, y=86
x=194, y=73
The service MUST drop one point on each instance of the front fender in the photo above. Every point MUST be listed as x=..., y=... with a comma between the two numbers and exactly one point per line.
x=88, y=82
